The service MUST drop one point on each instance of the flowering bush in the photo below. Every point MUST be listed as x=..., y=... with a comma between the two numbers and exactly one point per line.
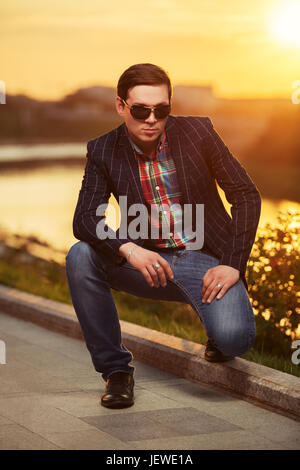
x=274, y=280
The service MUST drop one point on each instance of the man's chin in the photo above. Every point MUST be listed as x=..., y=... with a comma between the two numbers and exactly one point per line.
x=148, y=138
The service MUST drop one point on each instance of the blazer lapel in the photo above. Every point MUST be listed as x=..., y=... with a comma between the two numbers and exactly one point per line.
x=130, y=167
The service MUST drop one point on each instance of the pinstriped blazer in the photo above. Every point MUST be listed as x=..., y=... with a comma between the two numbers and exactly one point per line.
x=201, y=159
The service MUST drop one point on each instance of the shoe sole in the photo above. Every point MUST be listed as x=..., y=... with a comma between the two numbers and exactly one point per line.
x=117, y=404
x=223, y=359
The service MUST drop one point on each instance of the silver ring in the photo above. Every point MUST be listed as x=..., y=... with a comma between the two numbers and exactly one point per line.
x=157, y=266
x=219, y=285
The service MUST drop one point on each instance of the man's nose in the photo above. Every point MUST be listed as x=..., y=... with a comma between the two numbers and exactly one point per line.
x=152, y=117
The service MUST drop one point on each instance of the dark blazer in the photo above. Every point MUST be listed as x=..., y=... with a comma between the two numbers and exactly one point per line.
x=201, y=159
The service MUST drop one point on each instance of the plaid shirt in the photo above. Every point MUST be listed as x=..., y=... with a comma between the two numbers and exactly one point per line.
x=161, y=190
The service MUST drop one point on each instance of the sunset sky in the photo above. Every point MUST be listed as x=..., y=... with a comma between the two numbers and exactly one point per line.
x=49, y=48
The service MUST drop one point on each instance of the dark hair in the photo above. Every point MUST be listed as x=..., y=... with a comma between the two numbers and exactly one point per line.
x=142, y=74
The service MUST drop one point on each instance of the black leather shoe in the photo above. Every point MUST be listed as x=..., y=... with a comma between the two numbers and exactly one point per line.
x=212, y=354
x=118, y=391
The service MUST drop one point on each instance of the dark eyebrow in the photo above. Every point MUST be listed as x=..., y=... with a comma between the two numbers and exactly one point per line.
x=143, y=104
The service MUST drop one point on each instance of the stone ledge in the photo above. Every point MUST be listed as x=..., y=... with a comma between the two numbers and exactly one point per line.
x=277, y=390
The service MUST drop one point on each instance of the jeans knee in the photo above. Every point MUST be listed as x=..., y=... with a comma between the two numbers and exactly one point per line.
x=235, y=341
x=78, y=260
x=77, y=253
x=83, y=262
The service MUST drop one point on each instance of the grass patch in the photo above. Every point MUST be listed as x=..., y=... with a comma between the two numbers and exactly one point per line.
x=274, y=362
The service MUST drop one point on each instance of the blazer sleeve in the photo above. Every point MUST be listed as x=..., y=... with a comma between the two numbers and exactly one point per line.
x=95, y=190
x=241, y=192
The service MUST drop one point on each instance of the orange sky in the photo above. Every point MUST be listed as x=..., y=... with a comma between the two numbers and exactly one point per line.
x=51, y=47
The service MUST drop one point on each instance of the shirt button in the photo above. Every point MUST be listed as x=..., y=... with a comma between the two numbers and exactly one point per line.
x=156, y=187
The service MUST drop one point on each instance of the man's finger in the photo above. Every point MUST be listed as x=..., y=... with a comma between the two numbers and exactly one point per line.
x=166, y=266
x=208, y=277
x=207, y=285
x=147, y=277
x=218, y=292
x=215, y=291
x=211, y=291
x=154, y=274
x=162, y=276
x=207, y=290
x=222, y=292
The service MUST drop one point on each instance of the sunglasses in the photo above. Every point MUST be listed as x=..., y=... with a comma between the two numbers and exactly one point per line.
x=141, y=112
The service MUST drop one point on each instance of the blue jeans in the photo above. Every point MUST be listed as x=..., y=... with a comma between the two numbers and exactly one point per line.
x=229, y=322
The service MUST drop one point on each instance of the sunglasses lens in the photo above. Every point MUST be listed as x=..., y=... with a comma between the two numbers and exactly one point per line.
x=142, y=112
x=162, y=111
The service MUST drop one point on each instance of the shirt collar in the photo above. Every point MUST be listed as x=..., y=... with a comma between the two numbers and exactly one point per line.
x=160, y=145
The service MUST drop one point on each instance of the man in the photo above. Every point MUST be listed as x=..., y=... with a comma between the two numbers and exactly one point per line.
x=157, y=159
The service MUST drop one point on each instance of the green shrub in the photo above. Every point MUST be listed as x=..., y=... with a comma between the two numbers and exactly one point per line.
x=273, y=277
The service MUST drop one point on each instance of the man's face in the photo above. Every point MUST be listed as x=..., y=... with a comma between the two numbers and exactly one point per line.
x=144, y=133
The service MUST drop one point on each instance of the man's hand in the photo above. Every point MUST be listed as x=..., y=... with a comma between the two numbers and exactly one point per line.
x=221, y=274
x=144, y=261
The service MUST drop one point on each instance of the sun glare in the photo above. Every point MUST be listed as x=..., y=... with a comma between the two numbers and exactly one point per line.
x=285, y=24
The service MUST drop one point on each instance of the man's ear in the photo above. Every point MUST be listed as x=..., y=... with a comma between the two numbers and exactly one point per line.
x=119, y=106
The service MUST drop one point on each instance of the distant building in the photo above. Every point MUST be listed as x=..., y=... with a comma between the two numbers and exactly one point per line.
x=194, y=99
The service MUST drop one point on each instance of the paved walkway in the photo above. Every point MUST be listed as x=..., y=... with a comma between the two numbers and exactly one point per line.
x=49, y=399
